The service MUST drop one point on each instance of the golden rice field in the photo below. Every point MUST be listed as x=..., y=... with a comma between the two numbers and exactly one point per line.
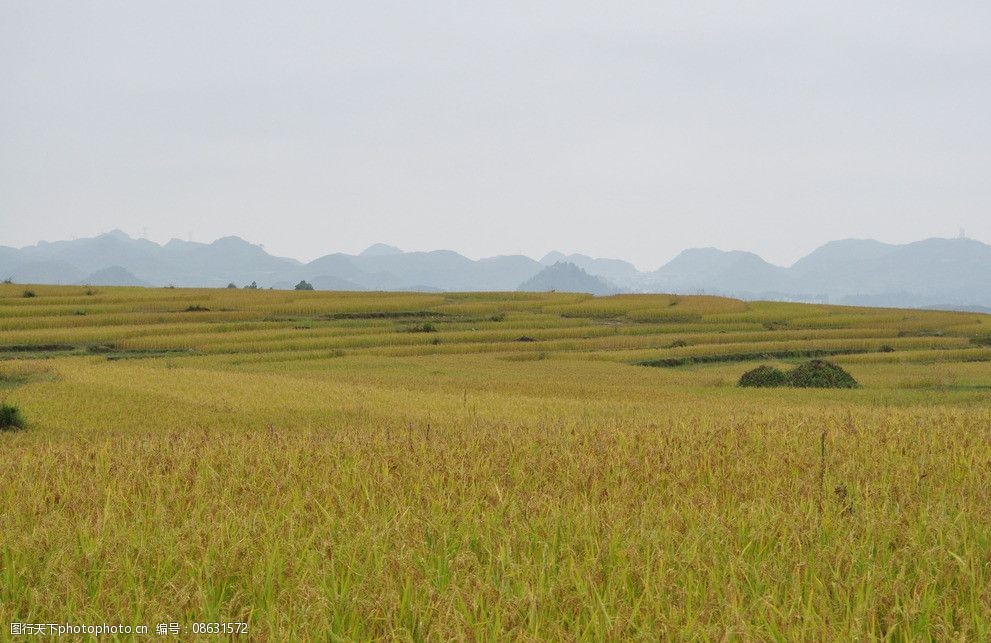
x=491, y=466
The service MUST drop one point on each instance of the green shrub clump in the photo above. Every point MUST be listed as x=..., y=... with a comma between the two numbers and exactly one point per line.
x=819, y=373
x=763, y=377
x=816, y=373
x=10, y=418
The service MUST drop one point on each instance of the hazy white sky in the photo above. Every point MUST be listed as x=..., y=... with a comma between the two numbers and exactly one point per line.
x=629, y=129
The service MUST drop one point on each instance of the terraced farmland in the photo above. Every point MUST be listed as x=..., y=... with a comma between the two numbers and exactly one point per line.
x=492, y=465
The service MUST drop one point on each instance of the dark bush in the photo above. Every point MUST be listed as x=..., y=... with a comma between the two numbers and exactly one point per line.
x=304, y=285
x=29, y=293
x=819, y=373
x=886, y=348
x=763, y=377
x=10, y=418
x=816, y=373
x=232, y=285
x=196, y=308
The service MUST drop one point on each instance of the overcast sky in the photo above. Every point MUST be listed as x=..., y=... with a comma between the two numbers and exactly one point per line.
x=630, y=130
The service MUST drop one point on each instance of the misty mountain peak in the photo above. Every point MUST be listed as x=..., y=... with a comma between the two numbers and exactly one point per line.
x=177, y=243
x=117, y=233
x=710, y=260
x=380, y=250
x=114, y=276
x=840, y=252
x=567, y=277
x=232, y=241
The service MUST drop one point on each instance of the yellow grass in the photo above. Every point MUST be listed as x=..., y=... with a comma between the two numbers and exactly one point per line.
x=340, y=466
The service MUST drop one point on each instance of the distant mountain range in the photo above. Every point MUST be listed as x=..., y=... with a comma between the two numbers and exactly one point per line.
x=948, y=273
